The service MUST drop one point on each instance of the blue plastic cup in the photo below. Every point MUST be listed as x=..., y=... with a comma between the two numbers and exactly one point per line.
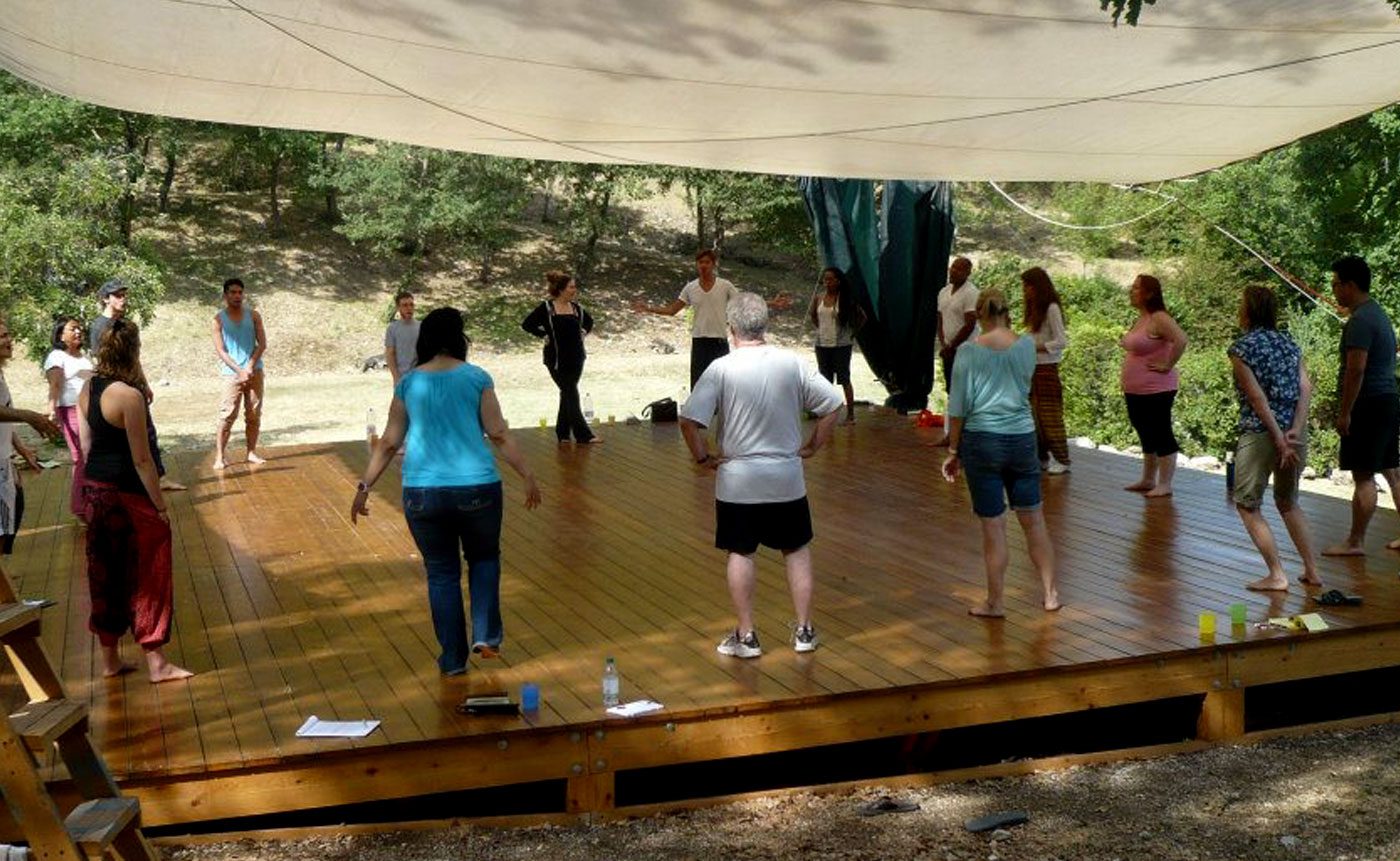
x=530, y=697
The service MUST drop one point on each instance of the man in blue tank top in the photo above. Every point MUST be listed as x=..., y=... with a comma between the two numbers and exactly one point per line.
x=240, y=342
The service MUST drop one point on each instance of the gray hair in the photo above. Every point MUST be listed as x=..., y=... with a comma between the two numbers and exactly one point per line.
x=747, y=314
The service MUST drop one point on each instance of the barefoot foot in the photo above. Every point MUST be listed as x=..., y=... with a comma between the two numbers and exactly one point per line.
x=1310, y=579
x=121, y=669
x=161, y=670
x=1140, y=486
x=1268, y=584
x=1052, y=602
x=171, y=485
x=1159, y=491
x=219, y=464
x=1344, y=549
x=986, y=611
x=254, y=459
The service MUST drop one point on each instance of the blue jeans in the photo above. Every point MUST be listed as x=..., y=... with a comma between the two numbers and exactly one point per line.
x=444, y=522
x=1000, y=466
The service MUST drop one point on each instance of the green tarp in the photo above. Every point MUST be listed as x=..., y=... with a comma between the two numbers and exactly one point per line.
x=896, y=257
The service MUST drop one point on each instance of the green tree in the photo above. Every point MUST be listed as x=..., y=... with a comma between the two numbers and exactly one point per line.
x=769, y=209
x=404, y=201
x=58, y=243
x=591, y=208
x=279, y=159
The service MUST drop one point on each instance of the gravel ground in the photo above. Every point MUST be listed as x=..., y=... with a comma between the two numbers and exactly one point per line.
x=1327, y=795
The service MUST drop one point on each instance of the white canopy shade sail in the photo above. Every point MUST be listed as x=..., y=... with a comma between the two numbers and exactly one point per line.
x=914, y=89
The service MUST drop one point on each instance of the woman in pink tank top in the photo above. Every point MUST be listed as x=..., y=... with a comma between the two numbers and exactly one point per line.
x=1152, y=347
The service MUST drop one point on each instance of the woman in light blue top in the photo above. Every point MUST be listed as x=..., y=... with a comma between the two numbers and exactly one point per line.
x=446, y=409
x=991, y=437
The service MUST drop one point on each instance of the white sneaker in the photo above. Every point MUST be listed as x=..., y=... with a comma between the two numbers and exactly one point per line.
x=1054, y=467
x=740, y=647
x=804, y=638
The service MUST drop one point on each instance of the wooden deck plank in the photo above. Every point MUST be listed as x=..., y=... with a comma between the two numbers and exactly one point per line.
x=285, y=609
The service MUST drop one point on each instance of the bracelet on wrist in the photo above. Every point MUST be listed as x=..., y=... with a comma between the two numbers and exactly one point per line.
x=361, y=487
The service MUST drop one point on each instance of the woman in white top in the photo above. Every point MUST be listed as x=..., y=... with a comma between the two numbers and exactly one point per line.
x=836, y=317
x=1046, y=324
x=66, y=368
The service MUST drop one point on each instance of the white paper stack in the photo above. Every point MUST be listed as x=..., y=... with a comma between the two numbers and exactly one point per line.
x=635, y=708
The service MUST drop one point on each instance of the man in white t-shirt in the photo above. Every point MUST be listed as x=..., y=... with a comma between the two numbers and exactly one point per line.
x=708, y=294
x=401, y=338
x=759, y=393
x=957, y=315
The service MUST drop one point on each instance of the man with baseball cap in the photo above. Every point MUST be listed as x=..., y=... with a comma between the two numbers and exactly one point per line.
x=112, y=295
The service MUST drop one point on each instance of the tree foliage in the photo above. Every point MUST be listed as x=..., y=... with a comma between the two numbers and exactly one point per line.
x=407, y=202
x=65, y=176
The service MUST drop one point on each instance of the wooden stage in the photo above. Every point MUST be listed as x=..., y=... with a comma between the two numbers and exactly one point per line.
x=285, y=610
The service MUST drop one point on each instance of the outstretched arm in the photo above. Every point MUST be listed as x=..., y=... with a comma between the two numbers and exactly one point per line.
x=670, y=310
x=41, y=423
x=395, y=426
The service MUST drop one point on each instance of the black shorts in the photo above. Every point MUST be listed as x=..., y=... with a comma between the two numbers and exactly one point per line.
x=741, y=526
x=834, y=363
x=1372, y=442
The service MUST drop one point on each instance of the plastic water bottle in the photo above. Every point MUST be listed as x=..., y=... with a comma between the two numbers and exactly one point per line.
x=371, y=432
x=588, y=408
x=1229, y=473
x=612, y=685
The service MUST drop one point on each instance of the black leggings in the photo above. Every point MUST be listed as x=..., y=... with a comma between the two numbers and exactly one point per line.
x=7, y=542
x=1151, y=416
x=570, y=419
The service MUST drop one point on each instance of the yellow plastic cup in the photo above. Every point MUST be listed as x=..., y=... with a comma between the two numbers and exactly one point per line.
x=1207, y=624
x=611, y=418
x=544, y=423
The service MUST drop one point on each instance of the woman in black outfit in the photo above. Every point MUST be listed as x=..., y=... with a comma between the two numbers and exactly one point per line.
x=563, y=323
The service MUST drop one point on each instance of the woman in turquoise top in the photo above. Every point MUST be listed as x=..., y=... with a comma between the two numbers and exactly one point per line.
x=443, y=412
x=991, y=437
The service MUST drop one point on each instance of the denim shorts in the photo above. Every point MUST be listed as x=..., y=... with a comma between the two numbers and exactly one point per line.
x=1000, y=467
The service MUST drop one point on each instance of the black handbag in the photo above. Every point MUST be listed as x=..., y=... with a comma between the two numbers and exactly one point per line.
x=664, y=410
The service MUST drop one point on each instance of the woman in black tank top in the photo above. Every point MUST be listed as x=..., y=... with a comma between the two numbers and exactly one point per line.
x=128, y=536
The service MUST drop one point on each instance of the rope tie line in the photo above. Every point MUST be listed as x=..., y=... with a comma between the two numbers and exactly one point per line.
x=1295, y=283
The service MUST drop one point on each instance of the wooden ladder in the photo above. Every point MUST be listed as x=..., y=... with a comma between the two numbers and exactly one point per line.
x=107, y=824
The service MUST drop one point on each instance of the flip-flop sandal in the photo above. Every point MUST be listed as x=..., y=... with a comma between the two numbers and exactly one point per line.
x=993, y=821
x=885, y=805
x=1338, y=598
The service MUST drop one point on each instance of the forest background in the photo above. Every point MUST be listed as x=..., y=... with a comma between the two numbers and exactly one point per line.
x=325, y=228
